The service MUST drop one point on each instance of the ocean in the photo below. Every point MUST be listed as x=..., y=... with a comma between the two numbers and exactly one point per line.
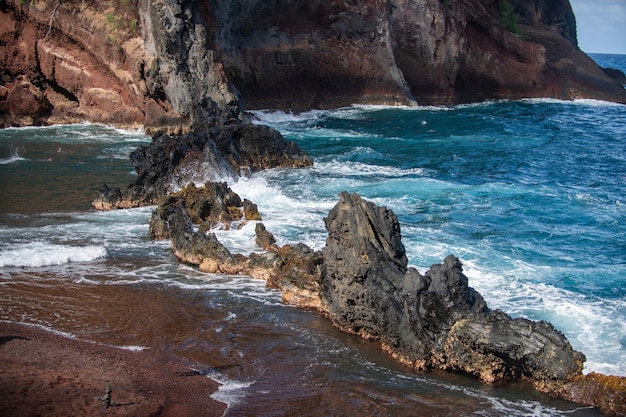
x=529, y=194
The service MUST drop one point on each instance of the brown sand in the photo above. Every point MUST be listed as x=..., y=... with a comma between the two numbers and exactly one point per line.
x=44, y=374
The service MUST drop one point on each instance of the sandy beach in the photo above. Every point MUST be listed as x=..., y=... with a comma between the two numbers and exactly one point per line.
x=45, y=374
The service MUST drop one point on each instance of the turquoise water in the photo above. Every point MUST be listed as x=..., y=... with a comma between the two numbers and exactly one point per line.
x=529, y=194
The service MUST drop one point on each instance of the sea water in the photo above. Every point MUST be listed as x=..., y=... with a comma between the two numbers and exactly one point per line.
x=529, y=194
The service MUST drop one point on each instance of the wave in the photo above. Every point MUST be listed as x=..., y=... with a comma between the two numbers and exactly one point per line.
x=229, y=392
x=588, y=102
x=11, y=159
x=67, y=335
x=40, y=254
x=360, y=111
x=593, y=325
x=349, y=168
x=79, y=133
x=270, y=116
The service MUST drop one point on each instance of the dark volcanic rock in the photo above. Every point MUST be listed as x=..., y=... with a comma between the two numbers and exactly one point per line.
x=295, y=270
x=430, y=321
x=264, y=239
x=169, y=163
x=187, y=70
x=197, y=248
x=207, y=206
x=297, y=55
x=616, y=74
x=362, y=282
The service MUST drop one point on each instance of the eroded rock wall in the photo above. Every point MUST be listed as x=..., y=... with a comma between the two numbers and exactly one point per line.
x=81, y=61
x=156, y=62
x=131, y=63
x=301, y=54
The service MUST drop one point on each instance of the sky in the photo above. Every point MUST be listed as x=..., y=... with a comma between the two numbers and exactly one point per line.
x=601, y=25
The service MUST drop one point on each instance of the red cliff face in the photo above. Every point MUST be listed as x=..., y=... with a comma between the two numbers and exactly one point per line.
x=150, y=63
x=77, y=62
x=296, y=54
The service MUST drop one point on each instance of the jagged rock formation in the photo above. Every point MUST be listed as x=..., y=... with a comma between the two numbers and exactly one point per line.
x=436, y=320
x=169, y=163
x=187, y=71
x=430, y=321
x=209, y=206
x=187, y=217
x=362, y=282
x=151, y=63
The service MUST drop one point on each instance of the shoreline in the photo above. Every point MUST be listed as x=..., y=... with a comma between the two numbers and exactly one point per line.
x=44, y=373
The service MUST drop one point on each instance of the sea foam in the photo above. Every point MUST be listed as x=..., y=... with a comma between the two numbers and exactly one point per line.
x=594, y=326
x=11, y=159
x=38, y=254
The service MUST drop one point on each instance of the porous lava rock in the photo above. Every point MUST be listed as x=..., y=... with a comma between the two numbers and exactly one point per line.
x=170, y=162
x=433, y=320
x=362, y=282
x=209, y=206
x=186, y=217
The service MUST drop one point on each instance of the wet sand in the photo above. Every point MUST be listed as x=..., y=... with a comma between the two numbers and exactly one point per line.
x=45, y=374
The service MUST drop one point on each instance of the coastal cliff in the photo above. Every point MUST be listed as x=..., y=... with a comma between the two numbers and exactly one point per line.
x=150, y=63
x=298, y=55
x=122, y=62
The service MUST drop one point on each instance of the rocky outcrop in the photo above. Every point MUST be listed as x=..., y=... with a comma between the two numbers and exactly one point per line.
x=169, y=163
x=187, y=217
x=606, y=392
x=126, y=63
x=187, y=71
x=361, y=281
x=434, y=320
x=209, y=206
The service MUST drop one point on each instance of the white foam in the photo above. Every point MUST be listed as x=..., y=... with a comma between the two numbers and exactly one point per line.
x=596, y=103
x=229, y=392
x=11, y=159
x=415, y=108
x=522, y=408
x=238, y=240
x=39, y=254
x=279, y=116
x=582, y=101
x=291, y=219
x=343, y=168
x=593, y=326
x=132, y=348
